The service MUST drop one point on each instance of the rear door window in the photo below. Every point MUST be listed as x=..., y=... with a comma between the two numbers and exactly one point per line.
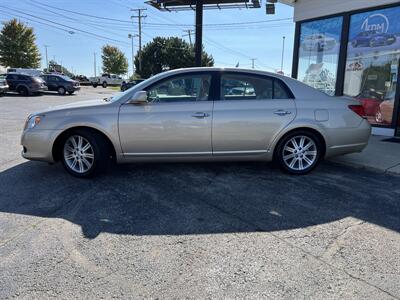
x=252, y=87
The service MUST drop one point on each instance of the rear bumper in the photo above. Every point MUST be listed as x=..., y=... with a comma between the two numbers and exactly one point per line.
x=349, y=140
x=3, y=89
x=38, y=144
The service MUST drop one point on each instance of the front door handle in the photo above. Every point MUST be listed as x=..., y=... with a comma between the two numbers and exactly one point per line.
x=281, y=112
x=200, y=115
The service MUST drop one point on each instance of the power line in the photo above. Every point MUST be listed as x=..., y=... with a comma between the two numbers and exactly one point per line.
x=95, y=26
x=162, y=24
x=70, y=27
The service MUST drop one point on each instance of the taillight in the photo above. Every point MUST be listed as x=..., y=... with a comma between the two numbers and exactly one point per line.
x=359, y=110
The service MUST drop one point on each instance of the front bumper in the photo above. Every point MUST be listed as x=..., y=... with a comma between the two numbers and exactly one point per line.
x=39, y=89
x=73, y=88
x=38, y=144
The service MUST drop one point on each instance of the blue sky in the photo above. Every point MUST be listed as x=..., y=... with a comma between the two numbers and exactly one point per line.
x=237, y=43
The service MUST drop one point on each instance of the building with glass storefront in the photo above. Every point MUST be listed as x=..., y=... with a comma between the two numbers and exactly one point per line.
x=352, y=48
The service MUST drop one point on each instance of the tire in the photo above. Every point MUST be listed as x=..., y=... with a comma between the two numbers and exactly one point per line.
x=23, y=91
x=104, y=85
x=61, y=90
x=355, y=44
x=94, y=85
x=71, y=92
x=83, y=163
x=299, y=160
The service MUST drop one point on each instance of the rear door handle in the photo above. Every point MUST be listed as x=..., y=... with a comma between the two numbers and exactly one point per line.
x=200, y=115
x=281, y=112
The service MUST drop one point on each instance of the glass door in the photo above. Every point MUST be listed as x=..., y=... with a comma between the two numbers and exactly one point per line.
x=372, y=64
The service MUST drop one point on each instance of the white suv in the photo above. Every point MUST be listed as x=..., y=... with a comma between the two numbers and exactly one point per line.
x=107, y=79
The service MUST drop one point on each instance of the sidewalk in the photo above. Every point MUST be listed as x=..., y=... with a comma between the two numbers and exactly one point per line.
x=379, y=155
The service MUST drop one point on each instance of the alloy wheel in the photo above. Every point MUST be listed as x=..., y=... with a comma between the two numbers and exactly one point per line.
x=300, y=153
x=78, y=154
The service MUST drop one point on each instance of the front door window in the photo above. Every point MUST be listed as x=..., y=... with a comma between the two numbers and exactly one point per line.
x=187, y=88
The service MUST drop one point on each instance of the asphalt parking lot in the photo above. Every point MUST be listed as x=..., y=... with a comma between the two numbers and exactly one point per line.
x=226, y=230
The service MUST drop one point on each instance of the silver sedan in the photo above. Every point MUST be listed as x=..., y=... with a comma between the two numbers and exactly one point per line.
x=200, y=114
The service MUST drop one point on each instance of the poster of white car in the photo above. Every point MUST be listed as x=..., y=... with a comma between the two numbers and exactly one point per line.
x=318, y=42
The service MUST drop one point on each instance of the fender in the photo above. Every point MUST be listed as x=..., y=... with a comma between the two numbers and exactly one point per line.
x=299, y=124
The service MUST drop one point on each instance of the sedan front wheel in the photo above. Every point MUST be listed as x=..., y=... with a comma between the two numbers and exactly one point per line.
x=84, y=153
x=299, y=152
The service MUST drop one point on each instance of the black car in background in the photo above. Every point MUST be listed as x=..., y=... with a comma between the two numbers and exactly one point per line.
x=61, y=84
x=25, y=84
x=128, y=85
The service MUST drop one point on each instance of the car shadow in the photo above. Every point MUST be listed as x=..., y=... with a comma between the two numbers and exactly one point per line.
x=178, y=199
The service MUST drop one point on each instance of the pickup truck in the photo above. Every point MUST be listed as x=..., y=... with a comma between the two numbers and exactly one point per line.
x=107, y=79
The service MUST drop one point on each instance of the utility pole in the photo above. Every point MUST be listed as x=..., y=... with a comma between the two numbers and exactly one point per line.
x=94, y=57
x=47, y=60
x=189, y=33
x=139, y=16
x=252, y=62
x=131, y=36
x=199, y=32
x=283, y=52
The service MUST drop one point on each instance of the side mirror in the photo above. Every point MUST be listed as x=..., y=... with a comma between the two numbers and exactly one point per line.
x=140, y=98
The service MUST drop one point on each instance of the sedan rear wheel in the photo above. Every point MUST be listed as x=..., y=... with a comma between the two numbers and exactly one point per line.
x=299, y=152
x=84, y=153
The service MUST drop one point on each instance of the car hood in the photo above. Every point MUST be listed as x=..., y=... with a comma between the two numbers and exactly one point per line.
x=76, y=105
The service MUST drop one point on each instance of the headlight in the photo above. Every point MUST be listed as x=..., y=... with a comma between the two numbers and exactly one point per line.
x=32, y=121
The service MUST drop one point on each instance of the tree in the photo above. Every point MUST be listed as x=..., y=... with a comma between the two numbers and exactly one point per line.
x=18, y=46
x=114, y=60
x=163, y=54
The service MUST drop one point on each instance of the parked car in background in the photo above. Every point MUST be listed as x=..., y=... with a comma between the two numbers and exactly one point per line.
x=373, y=38
x=31, y=72
x=385, y=110
x=107, y=79
x=61, y=84
x=3, y=84
x=186, y=115
x=25, y=84
x=318, y=42
x=128, y=85
x=83, y=80
x=370, y=99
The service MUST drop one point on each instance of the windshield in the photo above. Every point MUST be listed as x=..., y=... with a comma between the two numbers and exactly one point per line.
x=128, y=94
x=65, y=77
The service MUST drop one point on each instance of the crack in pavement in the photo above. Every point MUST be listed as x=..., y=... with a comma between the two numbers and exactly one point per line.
x=334, y=247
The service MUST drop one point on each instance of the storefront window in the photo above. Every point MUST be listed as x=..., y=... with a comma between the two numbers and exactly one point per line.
x=373, y=55
x=319, y=53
